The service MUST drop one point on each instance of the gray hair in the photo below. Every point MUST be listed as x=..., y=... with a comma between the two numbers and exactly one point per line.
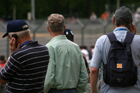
x=20, y=34
x=56, y=27
x=123, y=21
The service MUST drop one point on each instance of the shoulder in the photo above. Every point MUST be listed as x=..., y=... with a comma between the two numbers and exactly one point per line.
x=137, y=37
x=73, y=43
x=42, y=46
x=136, y=40
x=32, y=47
x=101, y=40
x=63, y=42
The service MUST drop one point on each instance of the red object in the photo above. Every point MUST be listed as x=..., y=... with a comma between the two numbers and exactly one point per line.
x=1, y=65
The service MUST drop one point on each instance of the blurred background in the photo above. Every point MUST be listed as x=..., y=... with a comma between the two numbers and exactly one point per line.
x=88, y=19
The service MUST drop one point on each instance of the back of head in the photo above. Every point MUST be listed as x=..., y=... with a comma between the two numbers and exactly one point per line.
x=69, y=34
x=18, y=27
x=56, y=23
x=85, y=47
x=92, y=46
x=2, y=58
x=123, y=16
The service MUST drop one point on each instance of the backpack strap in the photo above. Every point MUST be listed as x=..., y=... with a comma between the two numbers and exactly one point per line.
x=129, y=37
x=111, y=37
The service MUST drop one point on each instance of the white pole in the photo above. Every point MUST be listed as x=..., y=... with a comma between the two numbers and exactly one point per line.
x=14, y=13
x=29, y=15
x=118, y=4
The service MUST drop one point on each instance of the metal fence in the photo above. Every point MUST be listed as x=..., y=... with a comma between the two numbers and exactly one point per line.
x=86, y=32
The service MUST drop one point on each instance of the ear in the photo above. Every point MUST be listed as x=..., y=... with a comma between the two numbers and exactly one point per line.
x=113, y=20
x=48, y=29
x=9, y=37
x=64, y=27
x=131, y=21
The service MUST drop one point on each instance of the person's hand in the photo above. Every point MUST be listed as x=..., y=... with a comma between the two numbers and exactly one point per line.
x=13, y=45
x=132, y=29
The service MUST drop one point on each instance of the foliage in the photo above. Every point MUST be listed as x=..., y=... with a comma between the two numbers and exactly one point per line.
x=69, y=8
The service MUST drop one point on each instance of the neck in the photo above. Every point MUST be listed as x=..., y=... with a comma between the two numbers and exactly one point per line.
x=119, y=26
x=22, y=40
x=56, y=34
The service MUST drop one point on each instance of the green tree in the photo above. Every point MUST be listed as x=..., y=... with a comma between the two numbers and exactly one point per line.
x=77, y=8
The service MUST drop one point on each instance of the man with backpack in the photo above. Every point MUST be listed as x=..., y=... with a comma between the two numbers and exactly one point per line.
x=119, y=51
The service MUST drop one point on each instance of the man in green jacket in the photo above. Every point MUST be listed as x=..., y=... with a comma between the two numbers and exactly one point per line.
x=66, y=71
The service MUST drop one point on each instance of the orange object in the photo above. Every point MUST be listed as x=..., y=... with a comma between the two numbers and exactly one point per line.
x=119, y=65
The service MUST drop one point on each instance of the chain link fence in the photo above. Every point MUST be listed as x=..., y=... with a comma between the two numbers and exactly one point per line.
x=85, y=31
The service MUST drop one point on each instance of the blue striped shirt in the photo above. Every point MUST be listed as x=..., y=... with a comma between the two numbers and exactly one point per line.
x=26, y=69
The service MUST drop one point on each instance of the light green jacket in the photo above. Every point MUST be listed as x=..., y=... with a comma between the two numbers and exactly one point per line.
x=66, y=69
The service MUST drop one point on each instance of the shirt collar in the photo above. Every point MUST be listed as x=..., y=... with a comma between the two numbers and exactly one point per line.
x=26, y=42
x=58, y=37
x=120, y=29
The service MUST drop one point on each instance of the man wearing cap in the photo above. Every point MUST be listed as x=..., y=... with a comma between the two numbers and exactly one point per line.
x=122, y=21
x=25, y=69
x=69, y=34
x=66, y=71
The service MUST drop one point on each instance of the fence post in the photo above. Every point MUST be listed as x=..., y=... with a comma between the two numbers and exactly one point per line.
x=8, y=47
x=82, y=30
x=105, y=24
x=1, y=23
x=35, y=30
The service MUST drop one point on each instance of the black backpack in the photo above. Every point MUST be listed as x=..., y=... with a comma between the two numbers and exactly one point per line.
x=120, y=70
